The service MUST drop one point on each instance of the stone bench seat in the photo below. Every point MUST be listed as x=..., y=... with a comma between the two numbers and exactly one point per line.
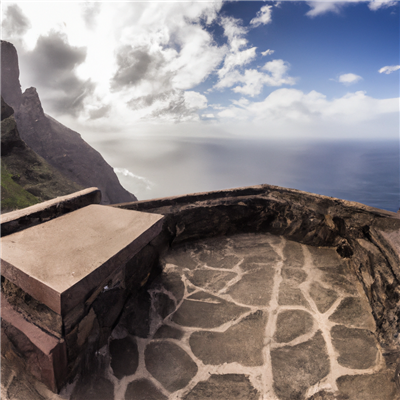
x=64, y=267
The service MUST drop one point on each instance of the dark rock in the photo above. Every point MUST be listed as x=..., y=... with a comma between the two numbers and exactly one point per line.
x=209, y=279
x=6, y=110
x=169, y=364
x=290, y=296
x=293, y=254
x=325, y=257
x=355, y=312
x=292, y=324
x=136, y=314
x=124, y=356
x=242, y=343
x=356, y=347
x=183, y=257
x=163, y=304
x=217, y=260
x=168, y=332
x=65, y=150
x=142, y=389
x=368, y=387
x=108, y=306
x=339, y=282
x=172, y=282
x=293, y=276
x=19, y=390
x=254, y=288
x=224, y=387
x=296, y=368
x=323, y=297
x=94, y=388
x=202, y=310
x=10, y=86
x=324, y=395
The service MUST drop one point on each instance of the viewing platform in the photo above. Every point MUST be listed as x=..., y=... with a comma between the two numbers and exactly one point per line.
x=259, y=293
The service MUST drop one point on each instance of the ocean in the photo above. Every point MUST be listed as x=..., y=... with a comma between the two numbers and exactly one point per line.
x=362, y=171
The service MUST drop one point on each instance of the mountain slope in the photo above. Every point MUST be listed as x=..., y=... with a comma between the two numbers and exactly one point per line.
x=60, y=146
x=26, y=178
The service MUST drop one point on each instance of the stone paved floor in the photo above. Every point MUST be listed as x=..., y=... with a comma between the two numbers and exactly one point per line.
x=249, y=317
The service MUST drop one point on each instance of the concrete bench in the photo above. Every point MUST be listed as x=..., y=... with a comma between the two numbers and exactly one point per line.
x=65, y=281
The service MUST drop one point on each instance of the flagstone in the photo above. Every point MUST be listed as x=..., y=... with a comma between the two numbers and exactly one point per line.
x=203, y=310
x=242, y=343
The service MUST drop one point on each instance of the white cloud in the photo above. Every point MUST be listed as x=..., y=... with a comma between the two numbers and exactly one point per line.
x=290, y=113
x=263, y=16
x=268, y=52
x=141, y=58
x=389, y=69
x=323, y=6
x=293, y=104
x=252, y=81
x=376, y=4
x=349, y=79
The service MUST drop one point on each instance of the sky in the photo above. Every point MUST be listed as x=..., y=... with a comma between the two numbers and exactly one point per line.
x=286, y=70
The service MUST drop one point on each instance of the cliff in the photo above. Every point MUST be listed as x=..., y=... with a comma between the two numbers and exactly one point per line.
x=60, y=146
x=26, y=178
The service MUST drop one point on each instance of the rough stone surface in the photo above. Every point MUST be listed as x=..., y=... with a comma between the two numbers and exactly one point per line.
x=368, y=387
x=142, y=389
x=124, y=356
x=218, y=260
x=94, y=389
x=202, y=310
x=163, y=304
x=136, y=315
x=354, y=312
x=224, y=387
x=357, y=347
x=323, y=297
x=293, y=276
x=22, y=391
x=168, y=332
x=295, y=368
x=291, y=324
x=211, y=280
x=225, y=350
x=242, y=343
x=293, y=255
x=290, y=296
x=254, y=288
x=338, y=281
x=170, y=365
x=181, y=257
x=172, y=282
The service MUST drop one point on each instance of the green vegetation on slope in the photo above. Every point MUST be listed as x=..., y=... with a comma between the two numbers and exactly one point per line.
x=13, y=196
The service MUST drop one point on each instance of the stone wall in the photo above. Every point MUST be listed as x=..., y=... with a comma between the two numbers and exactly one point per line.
x=368, y=237
x=18, y=220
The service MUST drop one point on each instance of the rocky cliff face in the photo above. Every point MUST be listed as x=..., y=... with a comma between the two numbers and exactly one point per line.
x=60, y=146
x=10, y=86
x=26, y=178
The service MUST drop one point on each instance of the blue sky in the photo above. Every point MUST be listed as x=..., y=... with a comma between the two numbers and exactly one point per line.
x=292, y=69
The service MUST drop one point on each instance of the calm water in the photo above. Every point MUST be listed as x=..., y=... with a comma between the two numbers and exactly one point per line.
x=366, y=172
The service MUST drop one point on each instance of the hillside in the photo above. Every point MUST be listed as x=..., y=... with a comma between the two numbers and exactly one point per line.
x=26, y=178
x=62, y=148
